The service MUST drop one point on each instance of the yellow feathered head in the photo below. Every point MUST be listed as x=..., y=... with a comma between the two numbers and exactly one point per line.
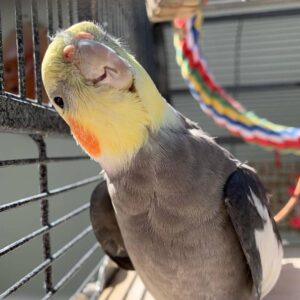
x=101, y=91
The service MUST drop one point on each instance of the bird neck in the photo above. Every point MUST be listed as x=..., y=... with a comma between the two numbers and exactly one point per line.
x=113, y=129
x=130, y=139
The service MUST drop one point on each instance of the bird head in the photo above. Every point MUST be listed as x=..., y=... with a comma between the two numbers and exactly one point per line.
x=101, y=91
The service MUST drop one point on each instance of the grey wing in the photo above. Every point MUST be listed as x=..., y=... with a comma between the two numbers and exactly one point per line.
x=106, y=228
x=247, y=205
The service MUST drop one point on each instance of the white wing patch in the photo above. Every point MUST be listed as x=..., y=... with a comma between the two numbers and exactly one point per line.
x=270, y=249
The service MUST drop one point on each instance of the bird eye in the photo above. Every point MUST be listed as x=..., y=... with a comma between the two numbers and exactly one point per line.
x=59, y=102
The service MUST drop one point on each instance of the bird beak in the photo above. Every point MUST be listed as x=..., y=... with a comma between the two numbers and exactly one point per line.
x=97, y=63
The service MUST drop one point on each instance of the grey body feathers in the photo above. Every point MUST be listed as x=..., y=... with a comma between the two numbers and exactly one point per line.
x=171, y=211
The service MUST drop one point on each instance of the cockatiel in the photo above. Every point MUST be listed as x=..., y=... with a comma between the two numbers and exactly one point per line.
x=191, y=219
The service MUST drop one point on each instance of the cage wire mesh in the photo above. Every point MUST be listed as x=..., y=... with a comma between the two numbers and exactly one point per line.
x=24, y=111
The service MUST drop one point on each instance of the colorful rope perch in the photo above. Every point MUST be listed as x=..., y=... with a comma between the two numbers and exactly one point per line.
x=214, y=101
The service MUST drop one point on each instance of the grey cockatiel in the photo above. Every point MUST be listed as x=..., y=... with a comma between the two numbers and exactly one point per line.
x=191, y=219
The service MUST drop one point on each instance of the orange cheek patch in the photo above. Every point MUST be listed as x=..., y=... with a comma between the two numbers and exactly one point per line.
x=85, y=138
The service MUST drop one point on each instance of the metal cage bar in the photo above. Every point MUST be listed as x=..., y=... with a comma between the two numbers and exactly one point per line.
x=43, y=172
x=19, y=116
x=1, y=59
x=50, y=18
x=59, y=13
x=20, y=48
x=44, y=229
x=70, y=8
x=46, y=263
x=72, y=272
x=50, y=193
x=36, y=52
x=89, y=278
x=30, y=161
x=84, y=10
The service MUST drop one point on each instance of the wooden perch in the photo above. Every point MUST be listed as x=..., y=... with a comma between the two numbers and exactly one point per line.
x=289, y=205
x=168, y=10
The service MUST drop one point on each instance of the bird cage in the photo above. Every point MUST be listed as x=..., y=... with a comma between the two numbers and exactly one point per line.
x=26, y=117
